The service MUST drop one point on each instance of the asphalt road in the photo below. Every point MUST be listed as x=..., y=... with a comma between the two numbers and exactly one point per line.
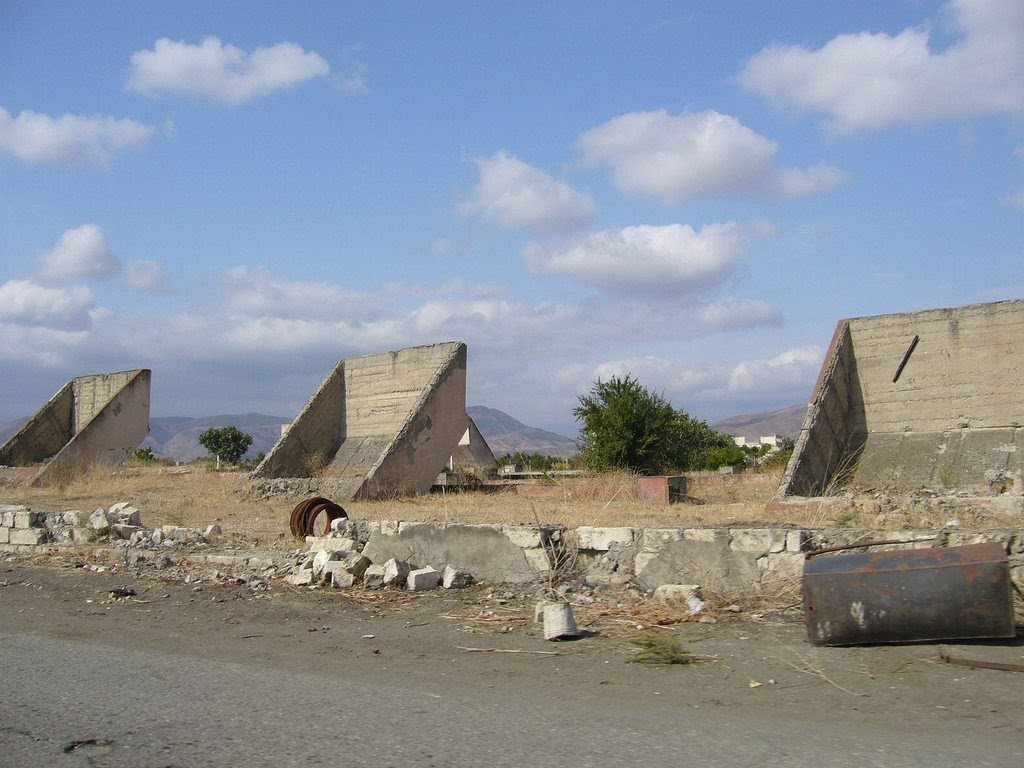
x=88, y=683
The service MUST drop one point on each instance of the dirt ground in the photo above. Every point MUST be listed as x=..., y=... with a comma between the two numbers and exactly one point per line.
x=750, y=663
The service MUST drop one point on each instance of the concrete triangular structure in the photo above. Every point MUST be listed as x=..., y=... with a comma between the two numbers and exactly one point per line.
x=921, y=400
x=98, y=418
x=378, y=425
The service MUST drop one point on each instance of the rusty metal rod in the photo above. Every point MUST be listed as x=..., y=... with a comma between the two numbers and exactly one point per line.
x=873, y=543
x=906, y=357
x=979, y=663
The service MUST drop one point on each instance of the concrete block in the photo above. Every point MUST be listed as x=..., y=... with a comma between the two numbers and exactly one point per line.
x=124, y=512
x=7, y=519
x=373, y=577
x=100, y=522
x=705, y=534
x=455, y=579
x=125, y=531
x=524, y=536
x=356, y=564
x=602, y=539
x=28, y=536
x=75, y=518
x=342, y=579
x=759, y=541
x=538, y=559
x=300, y=578
x=26, y=518
x=330, y=544
x=5, y=535
x=322, y=558
x=395, y=572
x=422, y=579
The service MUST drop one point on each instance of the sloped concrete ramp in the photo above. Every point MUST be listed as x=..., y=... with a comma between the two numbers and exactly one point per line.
x=379, y=425
x=922, y=400
x=98, y=418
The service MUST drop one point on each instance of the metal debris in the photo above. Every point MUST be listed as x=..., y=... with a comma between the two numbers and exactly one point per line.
x=908, y=595
x=304, y=516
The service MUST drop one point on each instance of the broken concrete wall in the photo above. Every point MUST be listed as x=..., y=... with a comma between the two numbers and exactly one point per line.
x=380, y=424
x=931, y=399
x=98, y=418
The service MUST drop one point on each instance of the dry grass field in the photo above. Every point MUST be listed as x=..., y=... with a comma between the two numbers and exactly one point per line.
x=196, y=497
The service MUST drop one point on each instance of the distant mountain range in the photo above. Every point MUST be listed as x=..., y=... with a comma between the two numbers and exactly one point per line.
x=785, y=422
x=177, y=438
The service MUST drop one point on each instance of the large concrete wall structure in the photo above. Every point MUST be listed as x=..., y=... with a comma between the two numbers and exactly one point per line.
x=97, y=418
x=379, y=425
x=923, y=400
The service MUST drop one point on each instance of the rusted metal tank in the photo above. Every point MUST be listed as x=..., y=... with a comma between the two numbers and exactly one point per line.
x=853, y=598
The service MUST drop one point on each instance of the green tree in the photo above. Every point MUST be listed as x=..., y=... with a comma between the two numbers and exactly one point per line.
x=626, y=426
x=227, y=443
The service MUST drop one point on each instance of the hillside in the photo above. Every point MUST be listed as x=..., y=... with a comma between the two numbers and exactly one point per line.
x=785, y=422
x=506, y=435
x=177, y=437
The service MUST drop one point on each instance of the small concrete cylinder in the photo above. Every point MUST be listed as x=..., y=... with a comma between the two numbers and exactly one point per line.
x=558, y=622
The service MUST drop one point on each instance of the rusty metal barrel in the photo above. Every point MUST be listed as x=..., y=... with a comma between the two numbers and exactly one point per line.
x=901, y=596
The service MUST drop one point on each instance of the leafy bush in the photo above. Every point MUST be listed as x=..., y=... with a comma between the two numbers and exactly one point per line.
x=227, y=443
x=626, y=426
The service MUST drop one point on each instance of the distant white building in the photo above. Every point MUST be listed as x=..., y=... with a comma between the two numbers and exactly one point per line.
x=773, y=441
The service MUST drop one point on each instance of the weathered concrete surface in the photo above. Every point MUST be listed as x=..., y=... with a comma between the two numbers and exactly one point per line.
x=97, y=418
x=379, y=425
x=473, y=454
x=945, y=411
x=482, y=550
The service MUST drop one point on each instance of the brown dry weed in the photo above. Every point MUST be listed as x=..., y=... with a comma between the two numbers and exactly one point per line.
x=197, y=497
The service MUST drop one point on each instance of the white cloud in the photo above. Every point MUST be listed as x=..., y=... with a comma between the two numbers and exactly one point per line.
x=791, y=369
x=221, y=73
x=255, y=292
x=736, y=314
x=676, y=158
x=669, y=259
x=514, y=195
x=69, y=140
x=144, y=275
x=870, y=81
x=81, y=252
x=25, y=303
x=353, y=79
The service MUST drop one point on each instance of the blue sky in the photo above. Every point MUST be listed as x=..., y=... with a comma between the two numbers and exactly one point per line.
x=237, y=195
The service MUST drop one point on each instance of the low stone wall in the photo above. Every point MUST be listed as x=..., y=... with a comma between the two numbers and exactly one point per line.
x=719, y=559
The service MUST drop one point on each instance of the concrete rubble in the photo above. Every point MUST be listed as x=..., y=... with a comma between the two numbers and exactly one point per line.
x=682, y=565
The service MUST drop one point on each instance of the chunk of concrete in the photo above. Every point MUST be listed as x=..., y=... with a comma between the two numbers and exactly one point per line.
x=373, y=577
x=341, y=579
x=300, y=578
x=395, y=572
x=27, y=536
x=124, y=512
x=455, y=579
x=602, y=539
x=422, y=579
x=100, y=521
x=355, y=564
